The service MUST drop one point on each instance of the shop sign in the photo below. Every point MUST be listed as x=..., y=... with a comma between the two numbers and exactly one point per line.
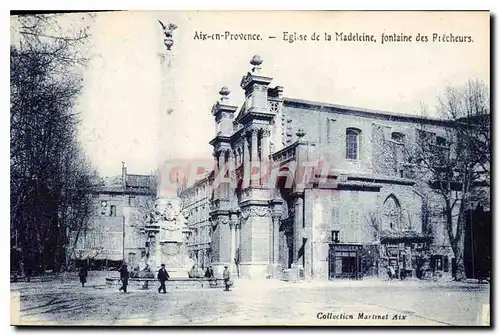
x=347, y=247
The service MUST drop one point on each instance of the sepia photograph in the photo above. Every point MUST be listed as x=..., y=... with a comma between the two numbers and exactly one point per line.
x=250, y=168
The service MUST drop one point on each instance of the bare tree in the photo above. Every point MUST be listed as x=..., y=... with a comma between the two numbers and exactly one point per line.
x=374, y=224
x=455, y=166
x=50, y=176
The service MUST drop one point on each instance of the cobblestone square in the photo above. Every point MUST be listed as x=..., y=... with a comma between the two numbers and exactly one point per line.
x=263, y=302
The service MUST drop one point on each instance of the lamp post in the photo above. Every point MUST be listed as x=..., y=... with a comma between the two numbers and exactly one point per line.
x=123, y=238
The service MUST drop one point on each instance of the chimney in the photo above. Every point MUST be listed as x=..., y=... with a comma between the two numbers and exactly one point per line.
x=124, y=175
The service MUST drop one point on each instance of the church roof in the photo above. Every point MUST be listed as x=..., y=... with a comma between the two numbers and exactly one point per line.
x=361, y=112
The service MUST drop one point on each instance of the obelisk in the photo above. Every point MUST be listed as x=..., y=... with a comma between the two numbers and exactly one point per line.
x=170, y=242
x=169, y=119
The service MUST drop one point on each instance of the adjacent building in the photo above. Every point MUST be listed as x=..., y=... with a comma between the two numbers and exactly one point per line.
x=115, y=231
x=196, y=205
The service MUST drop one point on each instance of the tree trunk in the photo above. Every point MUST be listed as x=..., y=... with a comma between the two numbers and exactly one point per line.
x=458, y=250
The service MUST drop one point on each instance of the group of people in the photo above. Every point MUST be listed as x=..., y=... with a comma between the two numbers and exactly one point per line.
x=226, y=275
x=162, y=277
x=209, y=273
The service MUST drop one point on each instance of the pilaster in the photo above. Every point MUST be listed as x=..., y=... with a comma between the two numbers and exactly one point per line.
x=298, y=226
x=256, y=223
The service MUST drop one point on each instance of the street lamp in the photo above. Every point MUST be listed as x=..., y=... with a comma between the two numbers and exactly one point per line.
x=123, y=238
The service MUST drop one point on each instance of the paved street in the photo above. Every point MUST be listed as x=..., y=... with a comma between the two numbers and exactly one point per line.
x=265, y=302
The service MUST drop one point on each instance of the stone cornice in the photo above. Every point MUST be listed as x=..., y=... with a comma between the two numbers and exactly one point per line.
x=253, y=114
x=220, y=138
x=361, y=112
x=219, y=107
x=254, y=78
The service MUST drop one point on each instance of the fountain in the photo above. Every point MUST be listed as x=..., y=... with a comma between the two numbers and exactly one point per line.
x=167, y=238
x=166, y=230
x=167, y=244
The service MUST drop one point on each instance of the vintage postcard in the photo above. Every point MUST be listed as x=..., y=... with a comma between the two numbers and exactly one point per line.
x=224, y=168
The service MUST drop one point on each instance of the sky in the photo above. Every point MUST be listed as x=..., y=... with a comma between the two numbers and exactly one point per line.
x=126, y=85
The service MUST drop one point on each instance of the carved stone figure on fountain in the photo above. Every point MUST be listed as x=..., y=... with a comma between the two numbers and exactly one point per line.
x=172, y=224
x=171, y=234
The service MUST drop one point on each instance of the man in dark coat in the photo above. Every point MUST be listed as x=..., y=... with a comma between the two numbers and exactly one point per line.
x=226, y=277
x=209, y=272
x=83, y=273
x=162, y=277
x=124, y=275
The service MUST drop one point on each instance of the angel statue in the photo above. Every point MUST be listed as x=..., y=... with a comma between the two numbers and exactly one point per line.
x=167, y=30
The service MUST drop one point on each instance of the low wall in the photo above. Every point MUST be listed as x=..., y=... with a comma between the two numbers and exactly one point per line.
x=153, y=284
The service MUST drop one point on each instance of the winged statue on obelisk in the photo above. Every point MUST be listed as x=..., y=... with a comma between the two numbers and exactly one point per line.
x=167, y=30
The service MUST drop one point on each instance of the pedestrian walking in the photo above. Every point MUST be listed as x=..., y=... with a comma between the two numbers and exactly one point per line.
x=162, y=277
x=227, y=278
x=83, y=274
x=124, y=275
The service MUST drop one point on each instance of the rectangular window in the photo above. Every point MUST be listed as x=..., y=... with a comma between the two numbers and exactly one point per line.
x=131, y=200
x=104, y=207
x=352, y=143
x=335, y=236
x=112, y=211
x=329, y=130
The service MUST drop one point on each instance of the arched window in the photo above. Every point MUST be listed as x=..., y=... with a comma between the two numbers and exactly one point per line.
x=398, y=137
x=392, y=213
x=352, y=143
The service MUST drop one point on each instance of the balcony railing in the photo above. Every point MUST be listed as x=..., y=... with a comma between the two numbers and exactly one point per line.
x=286, y=154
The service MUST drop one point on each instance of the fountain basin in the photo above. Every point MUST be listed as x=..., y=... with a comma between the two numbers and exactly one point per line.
x=173, y=283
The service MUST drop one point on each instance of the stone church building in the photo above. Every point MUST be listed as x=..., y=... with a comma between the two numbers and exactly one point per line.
x=319, y=191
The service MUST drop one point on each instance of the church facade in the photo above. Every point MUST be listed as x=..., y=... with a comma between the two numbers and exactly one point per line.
x=322, y=190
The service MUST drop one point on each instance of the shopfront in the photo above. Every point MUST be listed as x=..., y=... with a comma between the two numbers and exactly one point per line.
x=344, y=261
x=408, y=257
